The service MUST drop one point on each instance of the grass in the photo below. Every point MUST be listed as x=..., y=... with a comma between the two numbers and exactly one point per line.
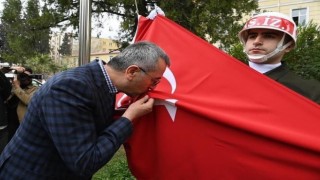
x=116, y=168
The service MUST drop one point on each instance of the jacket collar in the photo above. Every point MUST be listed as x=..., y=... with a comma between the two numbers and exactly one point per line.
x=97, y=73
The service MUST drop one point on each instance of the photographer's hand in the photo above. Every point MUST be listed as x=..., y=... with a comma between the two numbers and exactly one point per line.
x=15, y=83
x=19, y=69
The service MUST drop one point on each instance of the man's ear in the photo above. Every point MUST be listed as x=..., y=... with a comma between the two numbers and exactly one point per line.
x=131, y=71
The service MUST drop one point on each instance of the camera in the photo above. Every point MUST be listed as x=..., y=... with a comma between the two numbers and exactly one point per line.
x=36, y=76
x=5, y=65
x=33, y=76
x=11, y=73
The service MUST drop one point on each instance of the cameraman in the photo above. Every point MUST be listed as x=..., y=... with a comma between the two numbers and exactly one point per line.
x=5, y=89
x=22, y=91
x=23, y=88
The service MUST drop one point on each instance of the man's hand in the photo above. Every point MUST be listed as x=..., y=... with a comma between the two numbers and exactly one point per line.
x=139, y=108
x=19, y=69
x=15, y=83
x=157, y=10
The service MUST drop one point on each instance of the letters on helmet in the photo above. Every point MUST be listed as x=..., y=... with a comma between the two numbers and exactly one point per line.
x=272, y=21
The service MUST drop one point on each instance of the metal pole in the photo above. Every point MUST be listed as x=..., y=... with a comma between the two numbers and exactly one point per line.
x=84, y=31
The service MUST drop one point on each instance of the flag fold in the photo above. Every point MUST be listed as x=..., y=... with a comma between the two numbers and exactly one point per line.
x=215, y=118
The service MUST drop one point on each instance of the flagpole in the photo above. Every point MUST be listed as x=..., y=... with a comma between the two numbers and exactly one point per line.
x=84, y=31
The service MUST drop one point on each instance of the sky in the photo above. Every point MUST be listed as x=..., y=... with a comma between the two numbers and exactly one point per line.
x=110, y=29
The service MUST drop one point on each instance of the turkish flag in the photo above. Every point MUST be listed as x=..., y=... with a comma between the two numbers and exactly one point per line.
x=215, y=118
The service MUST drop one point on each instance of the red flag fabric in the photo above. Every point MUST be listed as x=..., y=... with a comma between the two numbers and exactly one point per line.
x=215, y=118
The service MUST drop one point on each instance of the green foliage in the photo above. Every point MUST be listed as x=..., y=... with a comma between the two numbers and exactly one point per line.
x=43, y=64
x=13, y=32
x=65, y=48
x=216, y=19
x=213, y=20
x=236, y=51
x=24, y=38
x=305, y=58
x=38, y=38
x=116, y=168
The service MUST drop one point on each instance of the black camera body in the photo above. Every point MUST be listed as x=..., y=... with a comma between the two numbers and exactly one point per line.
x=11, y=75
x=36, y=76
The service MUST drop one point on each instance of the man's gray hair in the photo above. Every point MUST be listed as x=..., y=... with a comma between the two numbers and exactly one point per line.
x=143, y=54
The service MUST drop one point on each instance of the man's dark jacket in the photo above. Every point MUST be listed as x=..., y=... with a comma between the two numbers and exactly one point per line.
x=5, y=91
x=309, y=88
x=68, y=131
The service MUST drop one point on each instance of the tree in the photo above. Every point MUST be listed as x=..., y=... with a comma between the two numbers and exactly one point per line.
x=217, y=20
x=24, y=35
x=305, y=58
x=13, y=31
x=213, y=20
x=38, y=38
x=3, y=42
x=65, y=48
x=236, y=51
x=43, y=64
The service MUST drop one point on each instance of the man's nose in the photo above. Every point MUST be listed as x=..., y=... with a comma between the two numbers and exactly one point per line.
x=258, y=40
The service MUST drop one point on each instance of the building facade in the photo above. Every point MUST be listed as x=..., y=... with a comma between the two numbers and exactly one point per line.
x=55, y=43
x=101, y=48
x=302, y=11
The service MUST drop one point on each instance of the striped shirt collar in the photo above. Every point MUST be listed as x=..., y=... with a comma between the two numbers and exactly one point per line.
x=112, y=88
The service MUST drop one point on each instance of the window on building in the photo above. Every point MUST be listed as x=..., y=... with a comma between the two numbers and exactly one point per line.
x=299, y=16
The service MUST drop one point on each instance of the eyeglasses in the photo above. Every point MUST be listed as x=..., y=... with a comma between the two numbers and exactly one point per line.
x=155, y=81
